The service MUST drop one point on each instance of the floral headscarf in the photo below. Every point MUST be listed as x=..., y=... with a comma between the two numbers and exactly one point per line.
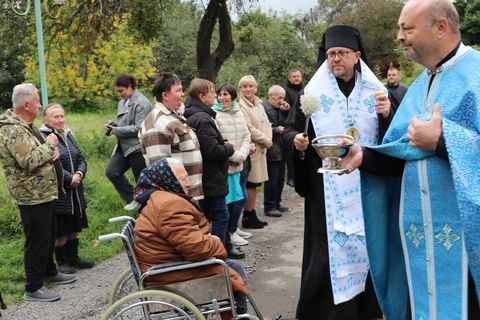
x=157, y=176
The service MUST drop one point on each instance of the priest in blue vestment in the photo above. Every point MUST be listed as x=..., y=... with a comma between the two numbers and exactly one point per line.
x=423, y=183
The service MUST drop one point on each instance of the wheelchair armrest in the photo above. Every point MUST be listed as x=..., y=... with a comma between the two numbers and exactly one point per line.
x=182, y=265
x=168, y=264
x=110, y=236
x=120, y=219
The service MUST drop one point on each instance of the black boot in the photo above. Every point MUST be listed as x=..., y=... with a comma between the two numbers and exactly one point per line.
x=250, y=220
x=2, y=304
x=258, y=220
x=73, y=259
x=61, y=257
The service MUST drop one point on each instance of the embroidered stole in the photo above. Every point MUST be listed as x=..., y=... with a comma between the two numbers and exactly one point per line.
x=348, y=258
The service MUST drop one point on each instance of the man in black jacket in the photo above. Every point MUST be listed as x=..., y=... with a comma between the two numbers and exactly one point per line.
x=395, y=89
x=292, y=92
x=275, y=107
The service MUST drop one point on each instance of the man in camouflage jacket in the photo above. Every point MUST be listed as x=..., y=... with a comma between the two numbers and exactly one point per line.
x=32, y=179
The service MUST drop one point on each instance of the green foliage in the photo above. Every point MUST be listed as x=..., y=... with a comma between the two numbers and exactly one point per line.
x=103, y=203
x=175, y=46
x=9, y=219
x=469, y=20
x=379, y=31
x=266, y=47
x=83, y=80
x=13, y=47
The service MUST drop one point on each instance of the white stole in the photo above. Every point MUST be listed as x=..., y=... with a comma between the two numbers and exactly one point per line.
x=343, y=207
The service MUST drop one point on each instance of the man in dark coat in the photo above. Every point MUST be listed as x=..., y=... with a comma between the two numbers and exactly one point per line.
x=333, y=286
x=395, y=89
x=274, y=107
x=292, y=92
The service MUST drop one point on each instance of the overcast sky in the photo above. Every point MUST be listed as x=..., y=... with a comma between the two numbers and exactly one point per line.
x=290, y=6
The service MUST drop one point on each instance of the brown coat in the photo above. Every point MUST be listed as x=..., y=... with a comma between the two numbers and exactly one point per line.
x=261, y=134
x=170, y=228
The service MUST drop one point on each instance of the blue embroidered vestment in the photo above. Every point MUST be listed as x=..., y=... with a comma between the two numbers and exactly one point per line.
x=438, y=215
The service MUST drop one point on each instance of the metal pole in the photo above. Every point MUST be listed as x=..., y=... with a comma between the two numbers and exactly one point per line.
x=41, y=57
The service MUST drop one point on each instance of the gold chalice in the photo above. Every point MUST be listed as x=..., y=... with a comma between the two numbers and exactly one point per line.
x=329, y=149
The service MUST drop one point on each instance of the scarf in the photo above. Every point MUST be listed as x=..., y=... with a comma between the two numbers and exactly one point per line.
x=218, y=107
x=157, y=176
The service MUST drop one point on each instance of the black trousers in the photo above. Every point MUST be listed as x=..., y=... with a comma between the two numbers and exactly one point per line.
x=116, y=168
x=39, y=227
x=289, y=161
x=273, y=188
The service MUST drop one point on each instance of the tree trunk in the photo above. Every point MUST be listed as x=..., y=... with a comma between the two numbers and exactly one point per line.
x=209, y=63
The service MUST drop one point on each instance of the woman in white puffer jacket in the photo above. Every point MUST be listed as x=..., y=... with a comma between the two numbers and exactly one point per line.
x=233, y=127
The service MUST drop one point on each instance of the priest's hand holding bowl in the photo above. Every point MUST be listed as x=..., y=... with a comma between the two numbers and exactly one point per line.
x=353, y=159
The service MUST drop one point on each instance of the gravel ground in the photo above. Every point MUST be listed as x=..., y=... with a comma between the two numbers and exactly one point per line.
x=273, y=262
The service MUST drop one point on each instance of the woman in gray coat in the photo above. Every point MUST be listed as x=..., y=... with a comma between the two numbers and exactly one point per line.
x=132, y=110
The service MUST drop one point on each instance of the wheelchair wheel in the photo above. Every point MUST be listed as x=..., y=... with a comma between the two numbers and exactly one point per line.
x=153, y=305
x=123, y=286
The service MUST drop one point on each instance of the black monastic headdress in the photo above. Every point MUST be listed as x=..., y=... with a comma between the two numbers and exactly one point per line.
x=341, y=36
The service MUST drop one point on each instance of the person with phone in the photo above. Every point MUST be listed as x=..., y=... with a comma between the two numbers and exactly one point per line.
x=132, y=110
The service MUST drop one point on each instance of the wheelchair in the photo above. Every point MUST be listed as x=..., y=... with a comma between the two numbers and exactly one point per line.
x=203, y=298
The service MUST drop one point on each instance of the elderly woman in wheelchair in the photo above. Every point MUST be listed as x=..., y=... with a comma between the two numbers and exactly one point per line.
x=172, y=228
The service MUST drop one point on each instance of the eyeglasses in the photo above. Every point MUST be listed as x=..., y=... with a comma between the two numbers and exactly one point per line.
x=341, y=54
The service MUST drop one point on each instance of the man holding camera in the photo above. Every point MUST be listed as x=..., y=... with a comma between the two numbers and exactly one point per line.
x=132, y=110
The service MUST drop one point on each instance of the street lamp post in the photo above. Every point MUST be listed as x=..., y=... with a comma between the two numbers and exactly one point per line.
x=39, y=29
x=41, y=54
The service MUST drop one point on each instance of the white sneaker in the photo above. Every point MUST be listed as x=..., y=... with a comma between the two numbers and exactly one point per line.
x=239, y=241
x=134, y=205
x=243, y=234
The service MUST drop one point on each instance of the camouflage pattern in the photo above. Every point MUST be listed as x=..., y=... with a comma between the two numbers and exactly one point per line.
x=27, y=164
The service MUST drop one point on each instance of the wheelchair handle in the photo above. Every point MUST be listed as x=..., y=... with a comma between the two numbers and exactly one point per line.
x=120, y=219
x=109, y=237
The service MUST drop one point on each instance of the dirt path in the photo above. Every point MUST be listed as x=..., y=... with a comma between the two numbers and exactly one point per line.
x=273, y=263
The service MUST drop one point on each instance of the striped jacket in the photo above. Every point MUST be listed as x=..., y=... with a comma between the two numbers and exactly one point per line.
x=164, y=134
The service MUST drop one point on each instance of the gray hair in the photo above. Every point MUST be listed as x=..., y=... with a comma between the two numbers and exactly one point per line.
x=22, y=93
x=47, y=112
x=275, y=90
x=446, y=9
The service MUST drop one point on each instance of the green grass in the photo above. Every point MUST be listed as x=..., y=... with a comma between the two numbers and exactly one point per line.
x=103, y=203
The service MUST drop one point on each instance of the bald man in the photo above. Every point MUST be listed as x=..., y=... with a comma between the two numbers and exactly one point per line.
x=433, y=144
x=274, y=106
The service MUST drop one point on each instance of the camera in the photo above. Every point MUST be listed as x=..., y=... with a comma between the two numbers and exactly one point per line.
x=108, y=130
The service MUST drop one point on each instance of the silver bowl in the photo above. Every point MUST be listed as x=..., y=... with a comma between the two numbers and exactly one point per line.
x=328, y=148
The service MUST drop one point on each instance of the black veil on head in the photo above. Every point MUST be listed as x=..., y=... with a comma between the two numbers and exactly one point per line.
x=341, y=36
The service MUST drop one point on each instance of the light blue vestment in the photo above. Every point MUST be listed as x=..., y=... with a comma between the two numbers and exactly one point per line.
x=438, y=215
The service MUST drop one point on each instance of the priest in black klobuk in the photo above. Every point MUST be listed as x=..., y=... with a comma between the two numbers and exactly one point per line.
x=335, y=282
